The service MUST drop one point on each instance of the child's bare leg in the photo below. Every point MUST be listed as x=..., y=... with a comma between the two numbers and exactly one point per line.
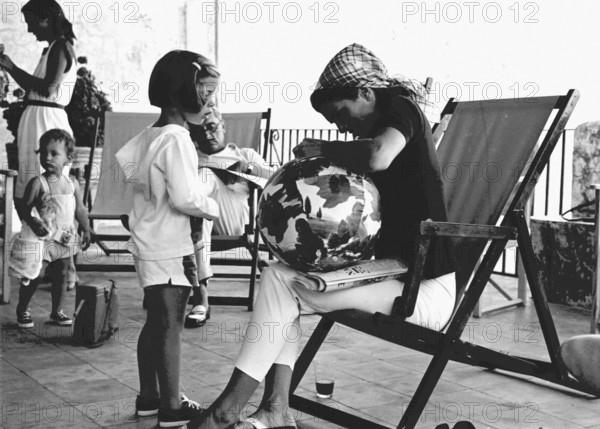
x=72, y=278
x=25, y=294
x=146, y=355
x=59, y=271
x=166, y=308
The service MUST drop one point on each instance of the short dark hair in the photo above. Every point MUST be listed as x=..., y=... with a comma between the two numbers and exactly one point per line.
x=60, y=135
x=51, y=10
x=174, y=79
x=327, y=95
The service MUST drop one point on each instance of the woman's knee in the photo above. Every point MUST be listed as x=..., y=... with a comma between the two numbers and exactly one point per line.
x=269, y=277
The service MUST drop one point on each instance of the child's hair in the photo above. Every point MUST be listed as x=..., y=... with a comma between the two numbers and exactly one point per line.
x=174, y=79
x=51, y=10
x=61, y=136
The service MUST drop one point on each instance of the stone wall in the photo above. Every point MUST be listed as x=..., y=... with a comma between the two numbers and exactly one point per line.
x=121, y=40
x=586, y=161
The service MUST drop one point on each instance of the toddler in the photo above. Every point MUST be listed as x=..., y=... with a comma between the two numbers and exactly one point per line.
x=51, y=204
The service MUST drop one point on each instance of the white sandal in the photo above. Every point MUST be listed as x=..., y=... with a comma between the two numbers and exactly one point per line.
x=256, y=423
x=197, y=317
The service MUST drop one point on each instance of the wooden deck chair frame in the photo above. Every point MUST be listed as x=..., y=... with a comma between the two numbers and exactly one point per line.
x=249, y=240
x=447, y=345
x=6, y=232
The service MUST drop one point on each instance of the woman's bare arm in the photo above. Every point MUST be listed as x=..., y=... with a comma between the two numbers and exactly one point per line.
x=58, y=61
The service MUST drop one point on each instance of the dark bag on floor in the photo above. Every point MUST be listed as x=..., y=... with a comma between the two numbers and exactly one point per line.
x=97, y=309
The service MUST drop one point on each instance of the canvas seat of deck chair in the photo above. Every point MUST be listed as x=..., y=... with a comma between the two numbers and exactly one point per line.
x=491, y=156
x=114, y=198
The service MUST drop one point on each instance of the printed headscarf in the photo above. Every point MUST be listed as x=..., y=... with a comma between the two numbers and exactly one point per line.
x=357, y=67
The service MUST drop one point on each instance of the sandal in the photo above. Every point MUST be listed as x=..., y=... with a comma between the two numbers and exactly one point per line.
x=197, y=317
x=257, y=424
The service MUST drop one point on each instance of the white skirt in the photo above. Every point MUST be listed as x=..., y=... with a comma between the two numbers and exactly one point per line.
x=35, y=121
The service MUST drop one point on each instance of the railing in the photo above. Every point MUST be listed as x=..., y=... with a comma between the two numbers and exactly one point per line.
x=284, y=140
x=552, y=194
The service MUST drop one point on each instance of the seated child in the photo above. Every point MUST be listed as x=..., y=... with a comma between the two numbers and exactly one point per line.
x=51, y=204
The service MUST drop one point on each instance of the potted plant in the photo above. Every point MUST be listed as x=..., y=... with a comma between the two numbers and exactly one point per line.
x=88, y=103
x=12, y=114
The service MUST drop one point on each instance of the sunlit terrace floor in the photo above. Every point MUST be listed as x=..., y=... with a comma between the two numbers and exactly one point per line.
x=48, y=382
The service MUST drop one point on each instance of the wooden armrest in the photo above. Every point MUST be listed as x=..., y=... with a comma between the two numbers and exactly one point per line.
x=595, y=186
x=8, y=173
x=404, y=306
x=438, y=229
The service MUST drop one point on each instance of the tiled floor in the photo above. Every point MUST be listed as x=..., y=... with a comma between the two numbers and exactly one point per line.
x=47, y=382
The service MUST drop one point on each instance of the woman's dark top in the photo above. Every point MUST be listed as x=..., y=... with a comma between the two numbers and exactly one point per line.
x=411, y=188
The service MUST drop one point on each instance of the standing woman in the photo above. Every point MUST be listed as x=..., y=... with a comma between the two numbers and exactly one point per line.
x=49, y=90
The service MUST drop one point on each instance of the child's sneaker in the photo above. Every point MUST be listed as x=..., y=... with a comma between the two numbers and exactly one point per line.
x=146, y=407
x=175, y=418
x=61, y=319
x=24, y=320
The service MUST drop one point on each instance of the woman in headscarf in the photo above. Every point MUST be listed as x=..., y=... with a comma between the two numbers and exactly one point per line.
x=394, y=146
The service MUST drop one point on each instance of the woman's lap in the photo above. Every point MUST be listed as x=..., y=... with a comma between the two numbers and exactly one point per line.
x=434, y=307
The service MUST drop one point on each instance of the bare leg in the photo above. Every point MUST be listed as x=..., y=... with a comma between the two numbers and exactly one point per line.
x=72, y=278
x=159, y=348
x=147, y=361
x=58, y=271
x=25, y=294
x=200, y=294
x=226, y=409
x=274, y=410
x=200, y=311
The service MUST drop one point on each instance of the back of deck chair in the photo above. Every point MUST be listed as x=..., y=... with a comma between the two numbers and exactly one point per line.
x=491, y=156
x=114, y=194
x=245, y=129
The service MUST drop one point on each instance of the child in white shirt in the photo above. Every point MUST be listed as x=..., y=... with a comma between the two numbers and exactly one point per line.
x=168, y=194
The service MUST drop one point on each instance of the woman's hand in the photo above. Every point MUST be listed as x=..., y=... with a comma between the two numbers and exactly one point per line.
x=309, y=147
x=6, y=63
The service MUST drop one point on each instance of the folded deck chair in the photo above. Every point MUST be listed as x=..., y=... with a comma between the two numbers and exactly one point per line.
x=6, y=231
x=491, y=156
x=114, y=195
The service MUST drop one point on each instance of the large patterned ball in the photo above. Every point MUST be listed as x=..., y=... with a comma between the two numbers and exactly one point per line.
x=316, y=216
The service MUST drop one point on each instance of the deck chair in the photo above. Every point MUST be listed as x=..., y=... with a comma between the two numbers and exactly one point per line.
x=114, y=195
x=6, y=231
x=500, y=135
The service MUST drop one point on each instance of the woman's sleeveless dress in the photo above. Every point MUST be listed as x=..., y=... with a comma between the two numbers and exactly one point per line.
x=36, y=120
